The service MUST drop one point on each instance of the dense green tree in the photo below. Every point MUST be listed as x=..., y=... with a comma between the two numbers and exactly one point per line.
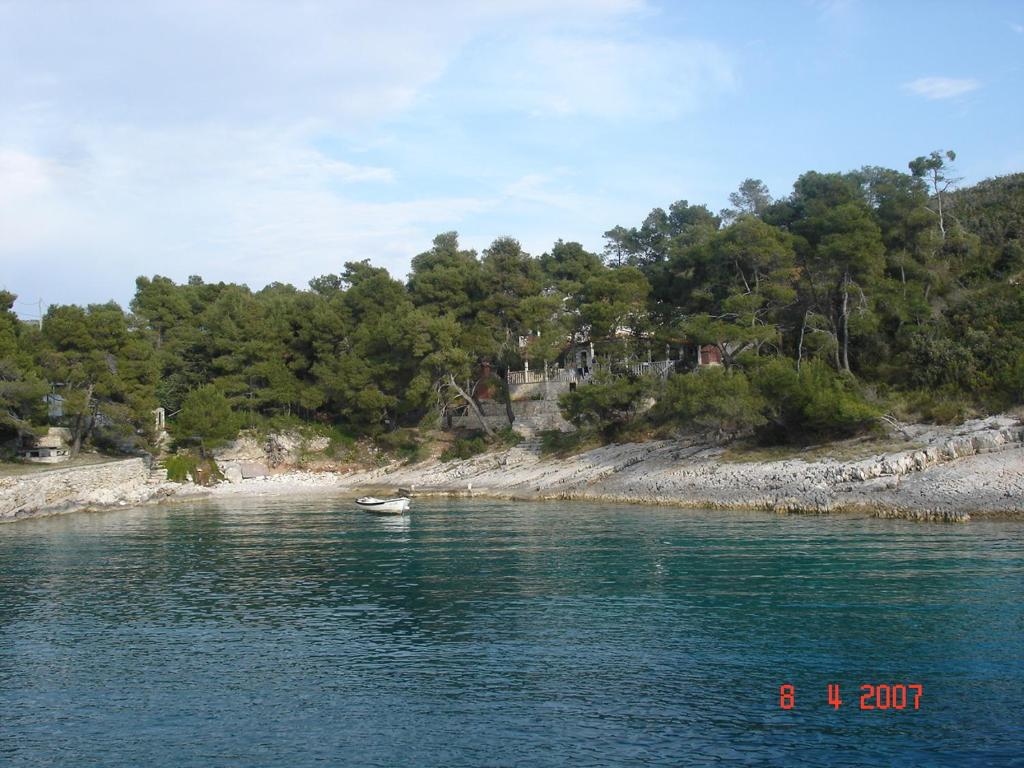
x=751, y=199
x=744, y=283
x=568, y=266
x=936, y=168
x=508, y=275
x=840, y=254
x=206, y=419
x=813, y=402
x=161, y=305
x=873, y=281
x=101, y=368
x=21, y=387
x=614, y=301
x=608, y=402
x=993, y=212
x=446, y=279
x=716, y=398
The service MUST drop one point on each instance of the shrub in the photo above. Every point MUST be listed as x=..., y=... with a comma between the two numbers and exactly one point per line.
x=814, y=402
x=606, y=403
x=465, y=448
x=1010, y=378
x=714, y=399
x=937, y=406
x=182, y=467
x=557, y=443
x=506, y=436
x=404, y=443
x=938, y=361
x=341, y=444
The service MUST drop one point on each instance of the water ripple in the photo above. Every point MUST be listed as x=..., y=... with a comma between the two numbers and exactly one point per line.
x=503, y=634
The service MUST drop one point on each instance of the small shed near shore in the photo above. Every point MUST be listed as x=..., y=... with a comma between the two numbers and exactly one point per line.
x=51, y=448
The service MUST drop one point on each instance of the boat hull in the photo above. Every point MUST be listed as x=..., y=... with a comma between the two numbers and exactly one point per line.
x=395, y=506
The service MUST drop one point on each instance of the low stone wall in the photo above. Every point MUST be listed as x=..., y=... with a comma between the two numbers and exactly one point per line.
x=115, y=483
x=469, y=421
x=494, y=414
x=547, y=390
x=536, y=415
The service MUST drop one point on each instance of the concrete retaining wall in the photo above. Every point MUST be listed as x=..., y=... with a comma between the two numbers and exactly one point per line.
x=64, y=490
x=535, y=414
x=548, y=390
x=469, y=421
x=494, y=414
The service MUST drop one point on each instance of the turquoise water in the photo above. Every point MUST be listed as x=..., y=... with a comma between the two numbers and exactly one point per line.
x=494, y=634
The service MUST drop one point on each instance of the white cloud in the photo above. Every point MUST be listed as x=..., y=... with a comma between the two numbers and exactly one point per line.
x=535, y=188
x=227, y=60
x=942, y=87
x=22, y=176
x=1018, y=28
x=236, y=60
x=239, y=206
x=189, y=137
x=568, y=75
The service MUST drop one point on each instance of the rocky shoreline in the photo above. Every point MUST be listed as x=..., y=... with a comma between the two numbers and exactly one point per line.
x=948, y=474
x=70, y=489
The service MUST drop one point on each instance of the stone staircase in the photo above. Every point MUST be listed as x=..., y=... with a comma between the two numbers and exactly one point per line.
x=529, y=430
x=533, y=416
x=530, y=445
x=157, y=474
x=536, y=420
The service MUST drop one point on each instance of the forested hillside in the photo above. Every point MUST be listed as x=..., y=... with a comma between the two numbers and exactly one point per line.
x=856, y=295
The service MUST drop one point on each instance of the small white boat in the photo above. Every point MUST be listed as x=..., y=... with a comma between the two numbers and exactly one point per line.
x=393, y=506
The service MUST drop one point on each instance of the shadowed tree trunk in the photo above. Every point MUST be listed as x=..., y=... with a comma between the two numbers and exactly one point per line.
x=800, y=345
x=846, y=323
x=451, y=382
x=83, y=422
x=503, y=374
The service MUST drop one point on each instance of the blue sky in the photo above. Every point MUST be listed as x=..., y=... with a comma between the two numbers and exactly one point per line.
x=268, y=141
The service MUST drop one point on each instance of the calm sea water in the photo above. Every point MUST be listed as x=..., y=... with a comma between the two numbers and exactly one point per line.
x=493, y=634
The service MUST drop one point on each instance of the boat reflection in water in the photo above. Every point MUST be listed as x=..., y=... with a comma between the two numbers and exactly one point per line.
x=394, y=523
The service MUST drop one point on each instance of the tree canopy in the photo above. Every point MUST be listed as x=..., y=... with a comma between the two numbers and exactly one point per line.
x=875, y=283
